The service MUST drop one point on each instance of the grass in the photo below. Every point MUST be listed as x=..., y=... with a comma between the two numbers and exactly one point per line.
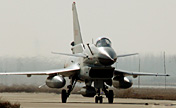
x=147, y=93
x=7, y=104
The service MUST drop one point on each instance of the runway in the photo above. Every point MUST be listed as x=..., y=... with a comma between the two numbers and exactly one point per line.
x=50, y=100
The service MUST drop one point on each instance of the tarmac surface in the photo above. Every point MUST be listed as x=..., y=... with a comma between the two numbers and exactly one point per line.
x=51, y=100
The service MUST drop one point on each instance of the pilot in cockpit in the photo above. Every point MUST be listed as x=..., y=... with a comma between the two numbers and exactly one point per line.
x=103, y=42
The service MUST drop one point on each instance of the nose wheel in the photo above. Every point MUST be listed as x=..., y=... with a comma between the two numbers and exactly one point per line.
x=98, y=99
x=109, y=94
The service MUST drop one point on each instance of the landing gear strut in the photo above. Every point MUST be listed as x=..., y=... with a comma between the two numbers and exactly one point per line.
x=98, y=98
x=65, y=94
x=109, y=94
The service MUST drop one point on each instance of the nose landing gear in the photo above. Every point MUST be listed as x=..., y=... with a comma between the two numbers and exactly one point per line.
x=109, y=94
x=98, y=98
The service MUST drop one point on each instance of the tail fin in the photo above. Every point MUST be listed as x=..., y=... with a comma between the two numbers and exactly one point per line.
x=76, y=27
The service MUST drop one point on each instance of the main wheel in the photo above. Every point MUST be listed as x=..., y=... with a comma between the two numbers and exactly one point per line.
x=64, y=96
x=111, y=96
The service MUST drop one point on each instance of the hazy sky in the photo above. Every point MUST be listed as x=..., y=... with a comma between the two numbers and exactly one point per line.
x=37, y=27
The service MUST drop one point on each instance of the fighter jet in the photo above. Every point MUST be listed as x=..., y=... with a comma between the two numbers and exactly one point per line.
x=91, y=64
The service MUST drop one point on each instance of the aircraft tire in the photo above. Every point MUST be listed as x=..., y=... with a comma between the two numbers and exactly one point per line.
x=64, y=96
x=98, y=98
x=101, y=99
x=111, y=96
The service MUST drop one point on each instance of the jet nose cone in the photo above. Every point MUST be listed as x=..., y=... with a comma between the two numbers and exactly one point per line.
x=107, y=56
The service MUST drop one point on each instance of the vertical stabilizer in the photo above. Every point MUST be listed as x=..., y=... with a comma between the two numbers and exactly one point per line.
x=76, y=27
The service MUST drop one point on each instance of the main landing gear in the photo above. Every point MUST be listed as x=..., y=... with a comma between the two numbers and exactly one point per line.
x=109, y=94
x=98, y=99
x=65, y=94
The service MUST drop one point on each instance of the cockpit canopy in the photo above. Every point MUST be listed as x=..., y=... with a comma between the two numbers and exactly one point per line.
x=103, y=42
